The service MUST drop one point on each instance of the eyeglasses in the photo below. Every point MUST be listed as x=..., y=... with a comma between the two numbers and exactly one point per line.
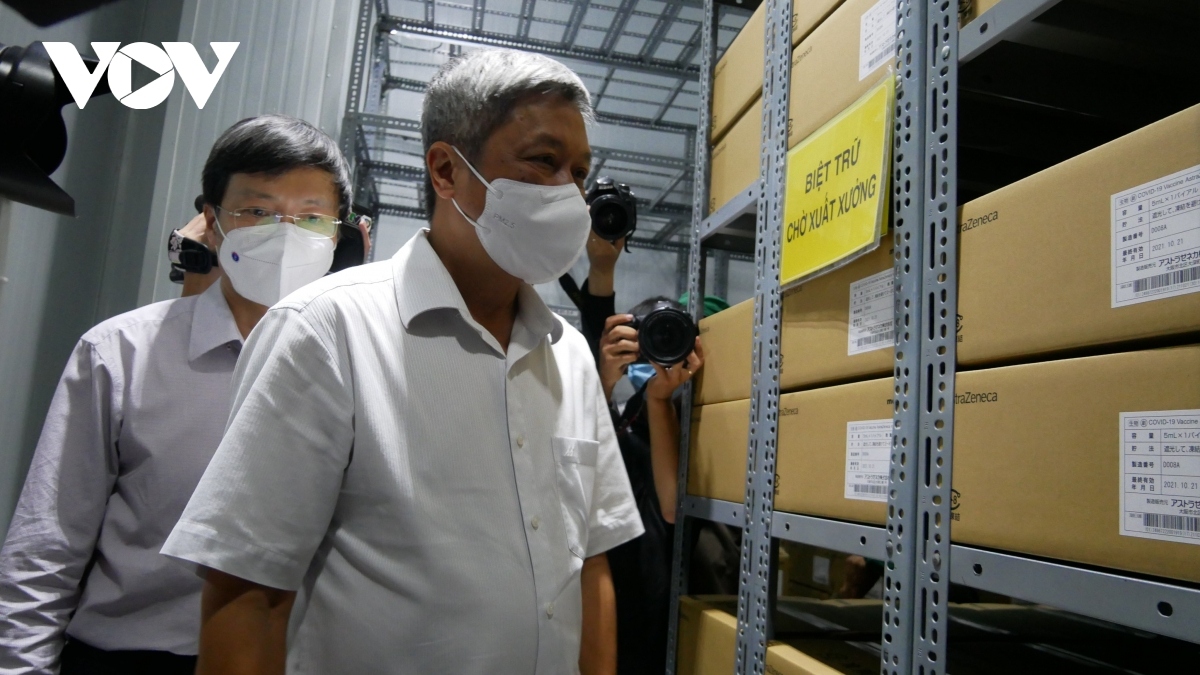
x=317, y=223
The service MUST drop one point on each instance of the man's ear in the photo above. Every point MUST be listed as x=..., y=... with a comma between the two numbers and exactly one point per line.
x=212, y=238
x=440, y=161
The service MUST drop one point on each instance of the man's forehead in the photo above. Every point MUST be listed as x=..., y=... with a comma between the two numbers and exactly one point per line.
x=554, y=141
x=267, y=186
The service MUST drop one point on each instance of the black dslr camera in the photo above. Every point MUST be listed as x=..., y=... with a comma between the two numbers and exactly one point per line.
x=666, y=335
x=613, y=208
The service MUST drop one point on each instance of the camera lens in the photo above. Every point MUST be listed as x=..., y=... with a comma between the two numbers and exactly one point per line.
x=609, y=221
x=666, y=336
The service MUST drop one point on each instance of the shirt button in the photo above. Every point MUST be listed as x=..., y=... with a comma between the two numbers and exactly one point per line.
x=535, y=523
x=520, y=441
x=549, y=610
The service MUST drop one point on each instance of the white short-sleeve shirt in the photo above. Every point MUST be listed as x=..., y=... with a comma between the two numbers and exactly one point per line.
x=430, y=497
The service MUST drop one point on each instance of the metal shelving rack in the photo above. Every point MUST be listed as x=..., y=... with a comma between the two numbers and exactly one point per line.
x=640, y=67
x=920, y=560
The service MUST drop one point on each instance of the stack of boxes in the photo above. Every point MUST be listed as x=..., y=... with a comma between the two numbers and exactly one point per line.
x=1077, y=426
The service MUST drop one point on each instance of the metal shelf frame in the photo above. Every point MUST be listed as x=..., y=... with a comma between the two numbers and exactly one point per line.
x=920, y=560
x=914, y=543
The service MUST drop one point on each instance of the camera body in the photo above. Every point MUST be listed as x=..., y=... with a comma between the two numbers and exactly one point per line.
x=613, y=209
x=666, y=334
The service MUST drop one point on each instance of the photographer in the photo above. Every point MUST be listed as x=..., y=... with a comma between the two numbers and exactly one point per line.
x=648, y=434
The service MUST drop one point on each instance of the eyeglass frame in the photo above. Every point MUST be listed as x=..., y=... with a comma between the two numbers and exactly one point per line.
x=337, y=222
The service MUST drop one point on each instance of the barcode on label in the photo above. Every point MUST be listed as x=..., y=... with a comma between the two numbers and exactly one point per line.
x=873, y=339
x=1169, y=279
x=875, y=490
x=878, y=58
x=1165, y=522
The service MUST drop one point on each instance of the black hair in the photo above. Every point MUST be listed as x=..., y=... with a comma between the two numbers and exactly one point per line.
x=274, y=144
x=644, y=307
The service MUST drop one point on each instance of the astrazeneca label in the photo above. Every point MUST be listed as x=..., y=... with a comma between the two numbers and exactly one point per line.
x=117, y=61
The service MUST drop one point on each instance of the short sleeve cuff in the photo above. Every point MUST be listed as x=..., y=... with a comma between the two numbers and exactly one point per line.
x=202, y=545
x=617, y=528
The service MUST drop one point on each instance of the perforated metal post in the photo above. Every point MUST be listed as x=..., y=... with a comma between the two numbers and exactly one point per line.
x=939, y=311
x=907, y=208
x=756, y=592
x=681, y=559
x=358, y=77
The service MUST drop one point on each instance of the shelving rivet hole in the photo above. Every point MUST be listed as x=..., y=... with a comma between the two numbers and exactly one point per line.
x=1165, y=609
x=977, y=569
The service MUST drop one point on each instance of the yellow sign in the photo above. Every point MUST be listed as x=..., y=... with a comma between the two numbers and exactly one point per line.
x=837, y=188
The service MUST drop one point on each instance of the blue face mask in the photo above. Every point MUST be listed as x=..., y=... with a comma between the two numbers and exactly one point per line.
x=639, y=374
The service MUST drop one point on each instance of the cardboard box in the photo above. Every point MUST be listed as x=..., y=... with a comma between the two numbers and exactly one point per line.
x=810, y=572
x=826, y=65
x=820, y=657
x=977, y=8
x=811, y=461
x=1038, y=457
x=728, y=341
x=1036, y=257
x=734, y=163
x=811, y=457
x=707, y=638
x=738, y=75
x=816, y=328
x=717, y=459
x=1037, y=460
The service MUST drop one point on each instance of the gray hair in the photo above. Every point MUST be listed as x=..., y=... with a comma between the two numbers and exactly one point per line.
x=472, y=95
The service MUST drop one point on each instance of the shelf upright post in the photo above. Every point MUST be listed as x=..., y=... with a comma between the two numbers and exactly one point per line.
x=681, y=558
x=908, y=154
x=938, y=329
x=358, y=78
x=756, y=590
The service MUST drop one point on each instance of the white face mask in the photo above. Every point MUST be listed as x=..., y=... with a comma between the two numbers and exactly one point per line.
x=533, y=232
x=267, y=262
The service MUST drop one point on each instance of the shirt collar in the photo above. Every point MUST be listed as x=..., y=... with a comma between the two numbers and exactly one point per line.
x=424, y=284
x=212, y=323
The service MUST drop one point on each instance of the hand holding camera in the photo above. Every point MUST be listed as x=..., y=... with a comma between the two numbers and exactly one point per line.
x=665, y=337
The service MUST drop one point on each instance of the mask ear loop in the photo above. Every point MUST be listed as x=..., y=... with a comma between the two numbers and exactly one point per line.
x=216, y=219
x=487, y=186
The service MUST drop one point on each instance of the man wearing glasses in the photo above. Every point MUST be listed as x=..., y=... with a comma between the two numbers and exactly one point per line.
x=140, y=410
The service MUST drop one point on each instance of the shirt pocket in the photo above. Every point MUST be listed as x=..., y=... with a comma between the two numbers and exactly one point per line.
x=575, y=465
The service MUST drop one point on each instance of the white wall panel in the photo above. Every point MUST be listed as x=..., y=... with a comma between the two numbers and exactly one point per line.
x=67, y=274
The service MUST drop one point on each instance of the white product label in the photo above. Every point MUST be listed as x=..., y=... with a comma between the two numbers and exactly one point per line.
x=820, y=570
x=876, y=37
x=1156, y=239
x=1160, y=475
x=872, y=313
x=868, y=452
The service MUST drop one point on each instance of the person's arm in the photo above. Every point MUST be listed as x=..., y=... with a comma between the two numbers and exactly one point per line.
x=243, y=627
x=597, y=297
x=598, y=642
x=54, y=529
x=664, y=427
x=291, y=424
x=602, y=264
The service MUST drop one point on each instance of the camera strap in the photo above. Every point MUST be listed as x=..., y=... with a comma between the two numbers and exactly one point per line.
x=567, y=282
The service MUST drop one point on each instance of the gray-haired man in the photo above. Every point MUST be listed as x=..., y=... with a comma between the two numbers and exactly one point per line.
x=419, y=473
